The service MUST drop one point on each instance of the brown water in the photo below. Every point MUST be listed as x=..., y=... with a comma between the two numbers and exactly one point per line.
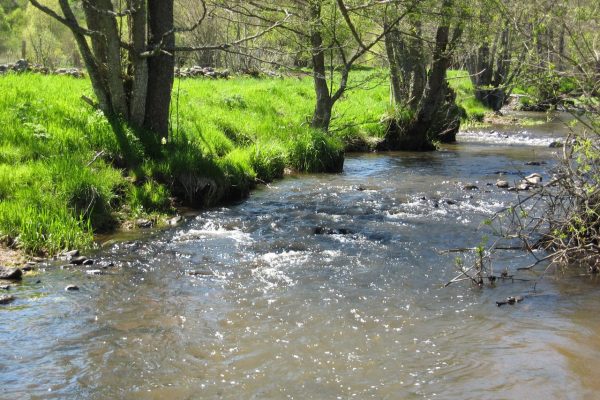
x=291, y=314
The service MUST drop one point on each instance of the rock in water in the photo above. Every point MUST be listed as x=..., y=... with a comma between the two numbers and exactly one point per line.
x=175, y=220
x=78, y=260
x=7, y=299
x=72, y=288
x=470, y=187
x=143, y=223
x=11, y=274
x=556, y=145
x=72, y=253
x=533, y=179
x=502, y=184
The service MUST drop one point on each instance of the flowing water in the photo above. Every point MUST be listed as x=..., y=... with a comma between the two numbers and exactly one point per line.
x=276, y=311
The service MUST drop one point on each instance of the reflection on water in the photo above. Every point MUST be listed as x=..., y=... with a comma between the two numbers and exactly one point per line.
x=281, y=312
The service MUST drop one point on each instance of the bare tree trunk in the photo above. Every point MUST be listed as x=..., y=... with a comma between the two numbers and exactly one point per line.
x=139, y=89
x=393, y=64
x=160, y=67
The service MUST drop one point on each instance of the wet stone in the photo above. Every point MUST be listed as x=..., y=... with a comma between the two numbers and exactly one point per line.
x=94, y=272
x=78, y=260
x=320, y=230
x=71, y=288
x=143, y=223
x=11, y=274
x=88, y=262
x=5, y=287
x=7, y=299
x=175, y=220
x=470, y=187
x=502, y=184
x=72, y=253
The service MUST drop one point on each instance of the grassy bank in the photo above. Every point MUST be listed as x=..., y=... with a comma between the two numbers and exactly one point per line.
x=64, y=174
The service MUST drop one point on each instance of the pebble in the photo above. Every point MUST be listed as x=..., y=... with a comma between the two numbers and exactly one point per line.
x=470, y=187
x=94, y=272
x=71, y=288
x=502, y=184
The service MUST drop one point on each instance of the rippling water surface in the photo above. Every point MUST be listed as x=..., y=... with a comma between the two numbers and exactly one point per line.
x=277, y=311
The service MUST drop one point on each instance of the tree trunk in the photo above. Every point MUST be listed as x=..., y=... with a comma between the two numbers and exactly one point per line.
x=161, y=68
x=394, y=68
x=322, y=114
x=139, y=86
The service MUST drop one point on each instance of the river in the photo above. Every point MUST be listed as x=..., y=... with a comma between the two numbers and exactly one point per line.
x=279, y=312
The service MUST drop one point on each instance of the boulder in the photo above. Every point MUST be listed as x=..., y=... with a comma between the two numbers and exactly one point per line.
x=11, y=274
x=21, y=66
x=523, y=186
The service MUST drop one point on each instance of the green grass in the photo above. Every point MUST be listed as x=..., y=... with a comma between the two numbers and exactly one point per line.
x=459, y=81
x=62, y=168
x=62, y=174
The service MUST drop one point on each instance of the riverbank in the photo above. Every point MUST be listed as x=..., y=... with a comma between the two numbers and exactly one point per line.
x=65, y=175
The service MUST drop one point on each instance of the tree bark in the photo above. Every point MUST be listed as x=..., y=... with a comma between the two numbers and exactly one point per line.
x=139, y=86
x=322, y=114
x=161, y=67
